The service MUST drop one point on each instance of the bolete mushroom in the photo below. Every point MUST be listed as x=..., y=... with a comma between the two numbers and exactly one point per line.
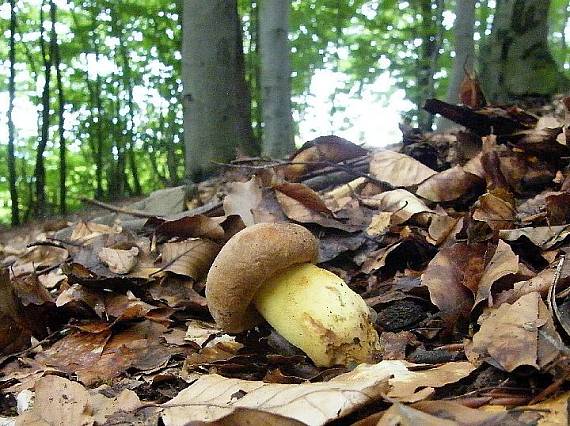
x=267, y=271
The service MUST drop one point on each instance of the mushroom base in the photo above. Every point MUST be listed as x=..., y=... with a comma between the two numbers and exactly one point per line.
x=317, y=312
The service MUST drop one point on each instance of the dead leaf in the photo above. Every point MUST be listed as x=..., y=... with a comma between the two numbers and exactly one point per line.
x=495, y=211
x=510, y=336
x=402, y=204
x=58, y=401
x=85, y=231
x=504, y=262
x=544, y=237
x=399, y=170
x=324, y=149
x=191, y=258
x=119, y=261
x=541, y=283
x=198, y=226
x=243, y=199
x=450, y=277
x=448, y=185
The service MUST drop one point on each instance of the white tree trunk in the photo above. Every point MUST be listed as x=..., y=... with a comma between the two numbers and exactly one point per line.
x=275, y=78
x=464, y=49
x=210, y=74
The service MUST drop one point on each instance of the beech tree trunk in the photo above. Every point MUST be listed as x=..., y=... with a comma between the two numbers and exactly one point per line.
x=275, y=78
x=516, y=62
x=464, y=48
x=54, y=49
x=15, y=208
x=40, y=171
x=213, y=108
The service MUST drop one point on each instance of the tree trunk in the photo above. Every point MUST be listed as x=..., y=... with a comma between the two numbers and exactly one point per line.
x=15, y=208
x=210, y=73
x=464, y=48
x=40, y=171
x=516, y=62
x=55, y=53
x=276, y=78
x=432, y=35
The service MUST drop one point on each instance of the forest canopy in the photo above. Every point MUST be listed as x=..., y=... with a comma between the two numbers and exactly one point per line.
x=91, y=91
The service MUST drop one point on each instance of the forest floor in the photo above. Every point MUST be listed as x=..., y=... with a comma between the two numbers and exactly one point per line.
x=457, y=243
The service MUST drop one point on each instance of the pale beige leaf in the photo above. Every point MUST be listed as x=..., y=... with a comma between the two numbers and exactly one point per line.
x=401, y=203
x=379, y=224
x=200, y=332
x=192, y=257
x=212, y=397
x=242, y=199
x=58, y=402
x=544, y=237
x=398, y=169
x=117, y=260
x=85, y=231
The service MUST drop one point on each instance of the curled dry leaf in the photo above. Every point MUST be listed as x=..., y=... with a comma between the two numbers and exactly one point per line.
x=516, y=334
x=301, y=204
x=398, y=169
x=402, y=204
x=191, y=258
x=84, y=231
x=450, y=277
x=448, y=185
x=199, y=332
x=495, y=211
x=544, y=237
x=61, y=401
x=119, y=261
x=198, y=226
x=504, y=262
x=323, y=149
x=243, y=199
x=540, y=283
x=213, y=397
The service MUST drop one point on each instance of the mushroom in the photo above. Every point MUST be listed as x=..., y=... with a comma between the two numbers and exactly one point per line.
x=267, y=271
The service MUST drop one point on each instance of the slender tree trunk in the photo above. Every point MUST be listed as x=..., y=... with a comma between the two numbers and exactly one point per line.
x=255, y=72
x=40, y=172
x=55, y=53
x=516, y=62
x=276, y=78
x=213, y=128
x=98, y=109
x=431, y=42
x=248, y=143
x=464, y=48
x=11, y=130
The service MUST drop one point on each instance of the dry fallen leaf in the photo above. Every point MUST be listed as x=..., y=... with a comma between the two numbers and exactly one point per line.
x=544, y=237
x=398, y=169
x=448, y=185
x=191, y=258
x=213, y=397
x=119, y=261
x=516, y=334
x=402, y=204
x=242, y=199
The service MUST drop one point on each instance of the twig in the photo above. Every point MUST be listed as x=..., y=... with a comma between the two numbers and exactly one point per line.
x=131, y=212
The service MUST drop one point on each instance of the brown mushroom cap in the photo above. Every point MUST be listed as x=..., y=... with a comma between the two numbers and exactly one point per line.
x=247, y=261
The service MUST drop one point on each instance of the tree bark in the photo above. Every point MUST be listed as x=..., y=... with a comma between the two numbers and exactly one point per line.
x=432, y=35
x=276, y=78
x=516, y=62
x=464, y=48
x=40, y=171
x=55, y=53
x=213, y=128
x=15, y=208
